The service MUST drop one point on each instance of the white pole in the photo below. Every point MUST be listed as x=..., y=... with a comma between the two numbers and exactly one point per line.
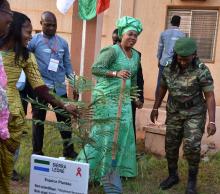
x=82, y=56
x=119, y=9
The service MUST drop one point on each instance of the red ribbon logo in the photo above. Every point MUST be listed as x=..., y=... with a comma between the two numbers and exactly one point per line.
x=78, y=173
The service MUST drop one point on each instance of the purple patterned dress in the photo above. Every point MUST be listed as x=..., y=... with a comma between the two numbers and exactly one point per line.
x=4, y=112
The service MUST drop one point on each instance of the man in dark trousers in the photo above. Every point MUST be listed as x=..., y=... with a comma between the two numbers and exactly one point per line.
x=53, y=59
x=139, y=102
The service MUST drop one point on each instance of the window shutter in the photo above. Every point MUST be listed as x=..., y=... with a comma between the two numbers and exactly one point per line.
x=203, y=30
x=200, y=25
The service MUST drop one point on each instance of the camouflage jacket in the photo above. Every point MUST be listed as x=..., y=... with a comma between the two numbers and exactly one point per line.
x=186, y=88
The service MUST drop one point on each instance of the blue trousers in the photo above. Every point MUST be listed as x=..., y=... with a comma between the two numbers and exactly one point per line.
x=158, y=79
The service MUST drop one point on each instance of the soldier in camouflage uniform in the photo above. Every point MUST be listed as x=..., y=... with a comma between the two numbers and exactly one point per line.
x=188, y=81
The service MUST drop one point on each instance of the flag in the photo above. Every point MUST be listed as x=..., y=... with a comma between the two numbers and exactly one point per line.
x=64, y=5
x=42, y=165
x=102, y=5
x=88, y=9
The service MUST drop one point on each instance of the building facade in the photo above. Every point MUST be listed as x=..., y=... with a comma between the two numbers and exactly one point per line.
x=33, y=9
x=199, y=20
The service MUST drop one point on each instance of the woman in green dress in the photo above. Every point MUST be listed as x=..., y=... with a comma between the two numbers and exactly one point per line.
x=113, y=64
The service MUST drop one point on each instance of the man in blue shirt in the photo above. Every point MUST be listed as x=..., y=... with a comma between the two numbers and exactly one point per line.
x=166, y=44
x=53, y=59
x=25, y=91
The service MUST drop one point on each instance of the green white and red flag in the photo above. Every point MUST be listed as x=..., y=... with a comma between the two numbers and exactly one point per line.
x=88, y=9
x=102, y=5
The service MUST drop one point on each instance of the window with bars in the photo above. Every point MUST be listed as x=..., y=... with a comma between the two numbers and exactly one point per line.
x=200, y=25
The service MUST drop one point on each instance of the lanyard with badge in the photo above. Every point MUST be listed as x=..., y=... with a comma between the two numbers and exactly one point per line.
x=54, y=63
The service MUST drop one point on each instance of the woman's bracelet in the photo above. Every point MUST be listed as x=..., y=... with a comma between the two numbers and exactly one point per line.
x=212, y=122
x=114, y=73
x=155, y=109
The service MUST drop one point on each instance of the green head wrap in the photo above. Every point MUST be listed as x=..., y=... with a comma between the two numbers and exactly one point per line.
x=128, y=23
x=185, y=47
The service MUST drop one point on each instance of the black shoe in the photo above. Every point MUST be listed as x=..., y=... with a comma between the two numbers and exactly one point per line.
x=71, y=155
x=171, y=180
x=192, y=179
x=15, y=176
x=68, y=152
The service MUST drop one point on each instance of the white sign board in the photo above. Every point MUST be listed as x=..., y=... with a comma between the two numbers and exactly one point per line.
x=55, y=176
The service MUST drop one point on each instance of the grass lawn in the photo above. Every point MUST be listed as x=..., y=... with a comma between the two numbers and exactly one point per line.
x=151, y=170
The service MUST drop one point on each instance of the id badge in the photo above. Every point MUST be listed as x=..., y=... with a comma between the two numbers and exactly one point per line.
x=53, y=65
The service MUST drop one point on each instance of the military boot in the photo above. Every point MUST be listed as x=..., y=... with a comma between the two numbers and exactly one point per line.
x=192, y=178
x=171, y=180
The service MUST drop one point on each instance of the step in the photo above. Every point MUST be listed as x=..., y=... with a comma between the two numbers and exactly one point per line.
x=155, y=139
x=143, y=117
x=155, y=134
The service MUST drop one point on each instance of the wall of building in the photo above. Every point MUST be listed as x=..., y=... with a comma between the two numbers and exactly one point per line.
x=153, y=15
x=33, y=9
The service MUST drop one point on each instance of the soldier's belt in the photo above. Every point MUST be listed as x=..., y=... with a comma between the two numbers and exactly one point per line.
x=190, y=103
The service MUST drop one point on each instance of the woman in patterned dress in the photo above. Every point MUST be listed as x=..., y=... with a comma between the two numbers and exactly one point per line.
x=16, y=58
x=113, y=64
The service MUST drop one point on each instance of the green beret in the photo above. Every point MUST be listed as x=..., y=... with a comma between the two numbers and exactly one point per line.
x=185, y=47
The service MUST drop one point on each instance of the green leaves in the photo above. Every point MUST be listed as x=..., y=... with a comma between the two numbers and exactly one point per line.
x=82, y=127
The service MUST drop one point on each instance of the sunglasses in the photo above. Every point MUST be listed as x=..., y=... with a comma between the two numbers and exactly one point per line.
x=7, y=11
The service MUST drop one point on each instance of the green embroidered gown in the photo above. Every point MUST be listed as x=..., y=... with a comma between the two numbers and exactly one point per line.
x=99, y=153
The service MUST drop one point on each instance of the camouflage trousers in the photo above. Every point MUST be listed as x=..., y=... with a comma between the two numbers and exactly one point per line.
x=186, y=129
